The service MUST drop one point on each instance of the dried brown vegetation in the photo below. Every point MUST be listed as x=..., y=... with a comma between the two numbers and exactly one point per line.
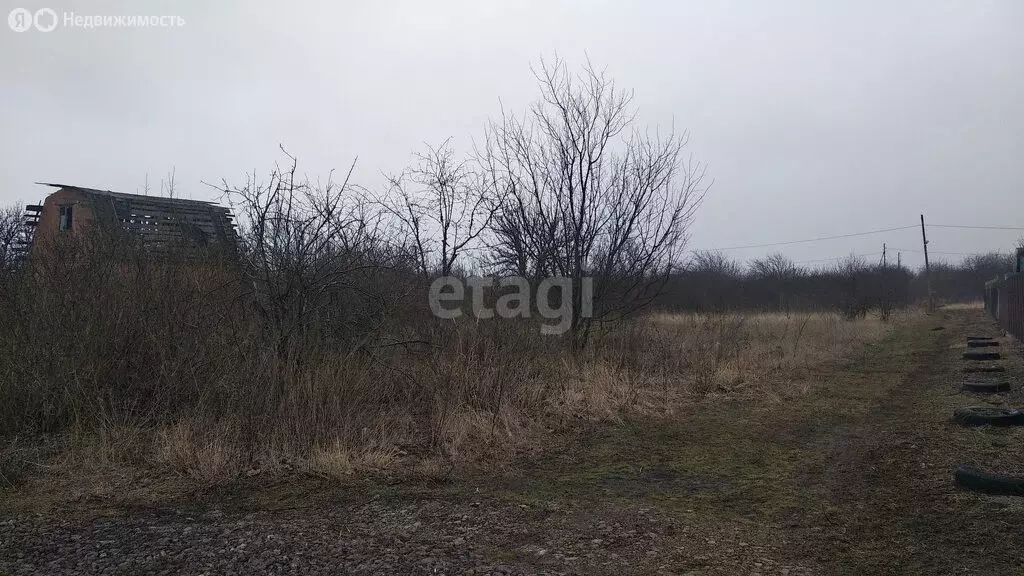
x=112, y=361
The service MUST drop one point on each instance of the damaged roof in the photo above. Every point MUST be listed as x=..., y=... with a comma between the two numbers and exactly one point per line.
x=158, y=220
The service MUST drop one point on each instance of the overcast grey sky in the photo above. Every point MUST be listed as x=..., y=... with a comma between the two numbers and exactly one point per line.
x=815, y=118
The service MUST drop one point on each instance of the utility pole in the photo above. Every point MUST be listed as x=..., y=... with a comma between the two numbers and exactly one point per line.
x=883, y=256
x=927, y=269
x=899, y=259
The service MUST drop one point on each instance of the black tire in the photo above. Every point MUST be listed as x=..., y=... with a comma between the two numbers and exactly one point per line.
x=988, y=416
x=986, y=386
x=982, y=343
x=981, y=369
x=980, y=481
x=980, y=354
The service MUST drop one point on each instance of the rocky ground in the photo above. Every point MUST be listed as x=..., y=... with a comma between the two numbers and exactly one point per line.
x=423, y=538
x=852, y=476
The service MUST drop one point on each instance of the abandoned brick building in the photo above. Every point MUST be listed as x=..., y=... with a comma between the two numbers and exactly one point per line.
x=156, y=223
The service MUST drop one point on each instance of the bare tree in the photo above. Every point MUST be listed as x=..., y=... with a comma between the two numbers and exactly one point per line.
x=442, y=205
x=776, y=274
x=12, y=230
x=711, y=262
x=712, y=281
x=301, y=243
x=583, y=194
x=852, y=275
x=167, y=186
x=774, y=266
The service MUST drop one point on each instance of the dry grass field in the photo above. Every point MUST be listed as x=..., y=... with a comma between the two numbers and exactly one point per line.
x=659, y=366
x=698, y=445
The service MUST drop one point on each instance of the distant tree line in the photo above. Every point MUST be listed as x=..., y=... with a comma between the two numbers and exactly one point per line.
x=713, y=282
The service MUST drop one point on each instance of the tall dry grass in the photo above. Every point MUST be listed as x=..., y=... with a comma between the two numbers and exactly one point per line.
x=491, y=391
x=678, y=358
x=110, y=361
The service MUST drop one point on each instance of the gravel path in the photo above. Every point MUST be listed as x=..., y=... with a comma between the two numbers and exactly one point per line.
x=424, y=538
x=370, y=539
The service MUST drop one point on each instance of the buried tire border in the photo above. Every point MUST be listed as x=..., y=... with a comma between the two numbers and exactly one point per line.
x=988, y=416
x=983, y=369
x=980, y=354
x=986, y=386
x=982, y=343
x=977, y=480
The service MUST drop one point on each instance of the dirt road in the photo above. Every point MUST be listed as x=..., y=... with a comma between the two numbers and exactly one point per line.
x=853, y=475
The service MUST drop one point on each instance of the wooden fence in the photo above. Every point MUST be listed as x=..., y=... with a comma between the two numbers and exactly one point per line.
x=1004, y=301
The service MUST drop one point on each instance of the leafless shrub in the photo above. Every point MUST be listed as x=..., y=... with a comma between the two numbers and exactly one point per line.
x=99, y=334
x=711, y=348
x=718, y=263
x=12, y=230
x=774, y=267
x=851, y=271
x=443, y=206
x=583, y=194
x=302, y=243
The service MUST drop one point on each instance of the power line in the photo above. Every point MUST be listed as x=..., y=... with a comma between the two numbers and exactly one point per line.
x=838, y=258
x=974, y=227
x=951, y=253
x=866, y=233
x=788, y=242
